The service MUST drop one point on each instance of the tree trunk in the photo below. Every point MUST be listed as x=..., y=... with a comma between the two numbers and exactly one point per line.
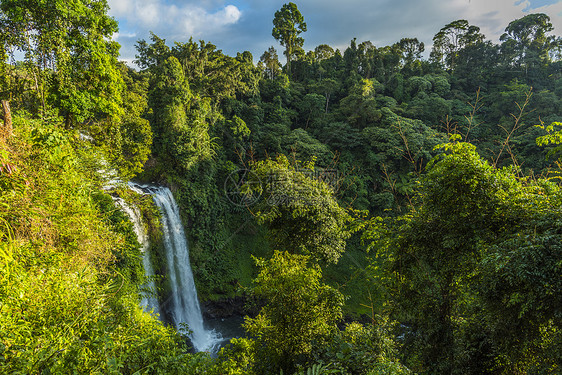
x=7, y=119
x=68, y=121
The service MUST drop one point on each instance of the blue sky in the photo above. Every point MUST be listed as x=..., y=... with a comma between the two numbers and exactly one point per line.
x=240, y=25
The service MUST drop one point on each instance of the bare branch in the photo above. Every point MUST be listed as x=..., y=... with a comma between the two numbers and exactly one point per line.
x=516, y=125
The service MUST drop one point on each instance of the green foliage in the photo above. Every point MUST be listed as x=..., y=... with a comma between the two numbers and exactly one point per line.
x=300, y=211
x=316, y=369
x=178, y=119
x=69, y=53
x=460, y=205
x=360, y=107
x=128, y=140
x=363, y=349
x=271, y=64
x=211, y=74
x=470, y=271
x=70, y=269
x=187, y=85
x=553, y=137
x=451, y=39
x=300, y=312
x=463, y=258
x=526, y=41
x=66, y=321
x=237, y=358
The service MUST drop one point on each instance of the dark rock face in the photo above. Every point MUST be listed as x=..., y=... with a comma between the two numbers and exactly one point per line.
x=224, y=308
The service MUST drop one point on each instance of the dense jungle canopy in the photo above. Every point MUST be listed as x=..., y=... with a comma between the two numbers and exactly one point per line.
x=395, y=210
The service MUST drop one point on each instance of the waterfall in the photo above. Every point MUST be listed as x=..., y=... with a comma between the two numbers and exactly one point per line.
x=149, y=300
x=185, y=304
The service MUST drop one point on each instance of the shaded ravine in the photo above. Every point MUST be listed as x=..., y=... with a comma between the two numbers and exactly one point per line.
x=185, y=303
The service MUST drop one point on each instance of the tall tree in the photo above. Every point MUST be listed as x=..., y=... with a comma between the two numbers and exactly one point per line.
x=271, y=63
x=210, y=73
x=128, y=141
x=179, y=119
x=474, y=263
x=451, y=39
x=70, y=53
x=323, y=52
x=525, y=42
x=411, y=50
x=435, y=250
x=300, y=209
x=288, y=24
x=326, y=87
x=301, y=312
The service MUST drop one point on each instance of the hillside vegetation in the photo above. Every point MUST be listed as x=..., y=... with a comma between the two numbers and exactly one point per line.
x=379, y=212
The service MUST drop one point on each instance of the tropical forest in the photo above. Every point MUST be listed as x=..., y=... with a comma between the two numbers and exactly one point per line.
x=373, y=209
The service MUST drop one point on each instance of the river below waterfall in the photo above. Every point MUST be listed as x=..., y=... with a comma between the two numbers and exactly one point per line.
x=229, y=328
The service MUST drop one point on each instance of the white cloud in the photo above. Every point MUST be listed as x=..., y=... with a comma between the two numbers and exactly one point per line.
x=384, y=22
x=230, y=14
x=116, y=36
x=185, y=19
x=148, y=13
x=494, y=16
x=238, y=25
x=120, y=7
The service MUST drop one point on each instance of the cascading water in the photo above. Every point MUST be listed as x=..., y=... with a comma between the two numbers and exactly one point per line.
x=149, y=301
x=185, y=308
